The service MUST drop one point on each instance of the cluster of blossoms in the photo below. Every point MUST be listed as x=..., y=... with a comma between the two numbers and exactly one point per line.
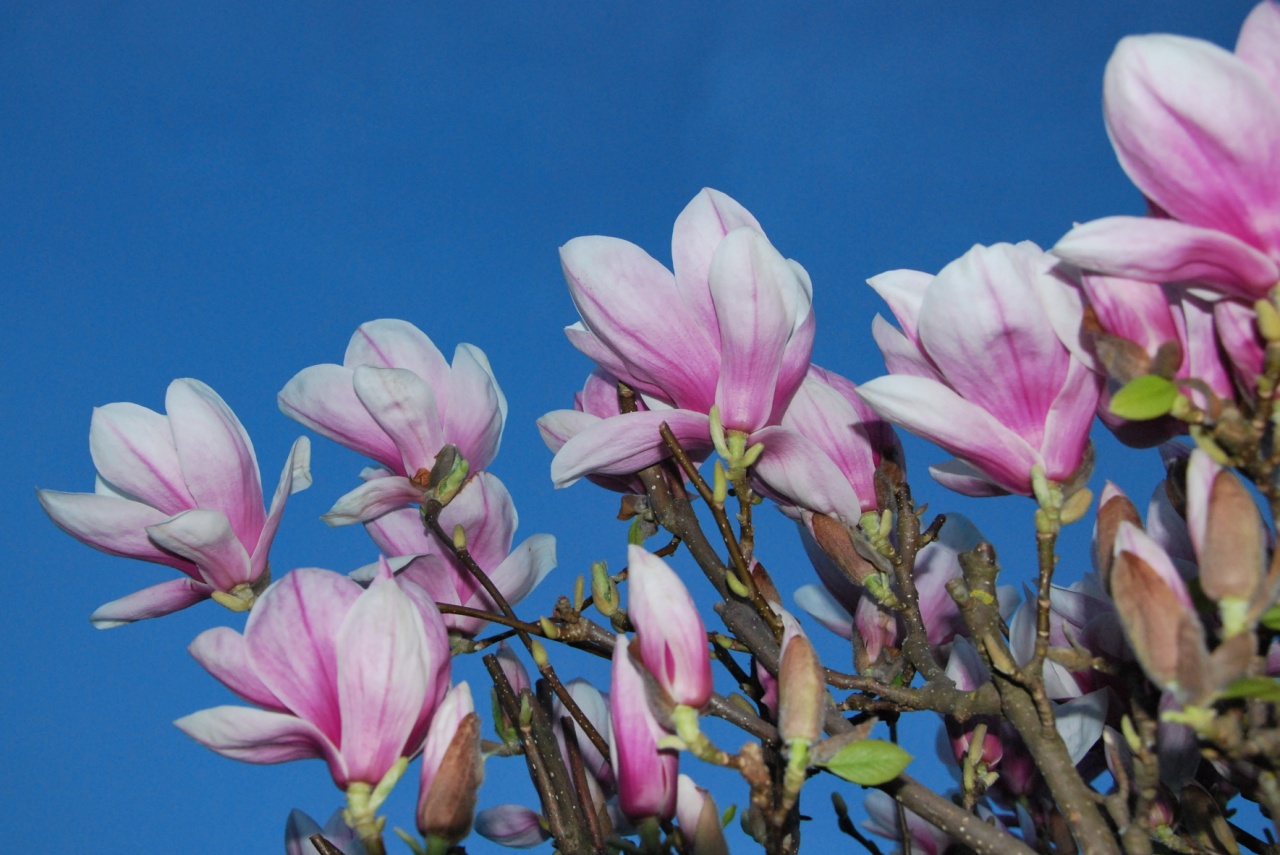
x=1161, y=325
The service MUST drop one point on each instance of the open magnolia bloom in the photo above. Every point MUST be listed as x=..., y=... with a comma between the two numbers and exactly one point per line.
x=1197, y=129
x=183, y=490
x=731, y=328
x=395, y=399
x=342, y=673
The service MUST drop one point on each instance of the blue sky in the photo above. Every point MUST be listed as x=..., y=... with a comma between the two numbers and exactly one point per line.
x=225, y=191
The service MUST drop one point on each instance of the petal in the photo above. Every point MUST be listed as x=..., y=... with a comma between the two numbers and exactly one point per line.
x=836, y=419
x=960, y=477
x=526, y=566
x=1131, y=309
x=259, y=736
x=1080, y=722
x=626, y=299
x=646, y=776
x=589, y=344
x=797, y=469
x=373, y=499
x=757, y=298
x=295, y=478
x=133, y=450
x=628, y=443
x=404, y=406
x=390, y=343
x=487, y=514
x=156, y=601
x=824, y=608
x=904, y=291
x=205, y=538
x=934, y=412
x=400, y=532
x=383, y=672
x=900, y=355
x=701, y=226
x=323, y=398
x=1198, y=131
x=1157, y=250
x=110, y=524
x=477, y=409
x=223, y=653
x=291, y=636
x=511, y=825
x=1238, y=331
x=1066, y=428
x=795, y=356
x=218, y=463
x=1259, y=43
x=559, y=426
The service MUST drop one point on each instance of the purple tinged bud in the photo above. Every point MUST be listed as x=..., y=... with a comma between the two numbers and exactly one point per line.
x=670, y=635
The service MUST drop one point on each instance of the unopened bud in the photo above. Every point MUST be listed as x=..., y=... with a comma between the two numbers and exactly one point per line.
x=538, y=652
x=801, y=691
x=459, y=537
x=446, y=810
x=604, y=591
x=720, y=490
x=549, y=630
x=448, y=474
x=1233, y=554
x=1268, y=320
x=1074, y=508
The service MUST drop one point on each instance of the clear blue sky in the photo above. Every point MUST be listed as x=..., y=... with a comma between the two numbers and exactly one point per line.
x=225, y=191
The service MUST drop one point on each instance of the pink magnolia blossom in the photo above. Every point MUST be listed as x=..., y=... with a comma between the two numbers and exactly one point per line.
x=671, y=637
x=646, y=776
x=395, y=399
x=342, y=673
x=978, y=369
x=732, y=328
x=182, y=490
x=1197, y=129
x=488, y=516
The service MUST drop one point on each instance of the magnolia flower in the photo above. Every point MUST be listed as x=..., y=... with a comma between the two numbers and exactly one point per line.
x=646, y=776
x=670, y=635
x=488, y=518
x=732, y=328
x=978, y=369
x=346, y=674
x=182, y=490
x=395, y=399
x=1197, y=129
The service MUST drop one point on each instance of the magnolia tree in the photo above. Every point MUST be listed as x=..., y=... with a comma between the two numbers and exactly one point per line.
x=1130, y=711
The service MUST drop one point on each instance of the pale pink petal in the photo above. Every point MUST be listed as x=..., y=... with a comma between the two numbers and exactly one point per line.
x=904, y=291
x=590, y=345
x=390, y=343
x=934, y=412
x=901, y=357
x=323, y=398
x=477, y=409
x=628, y=443
x=382, y=679
x=1238, y=331
x=295, y=478
x=1258, y=45
x=964, y=479
x=825, y=609
x=205, y=538
x=515, y=826
x=133, y=450
x=756, y=297
x=1131, y=309
x=291, y=636
x=487, y=514
x=373, y=499
x=1202, y=471
x=224, y=653
x=1200, y=338
x=1066, y=428
x=559, y=426
x=626, y=299
x=1198, y=131
x=1158, y=250
x=526, y=566
x=646, y=776
x=800, y=472
x=156, y=601
x=400, y=532
x=828, y=411
x=111, y=524
x=260, y=736
x=218, y=463
x=701, y=226
x=404, y=406
x=795, y=357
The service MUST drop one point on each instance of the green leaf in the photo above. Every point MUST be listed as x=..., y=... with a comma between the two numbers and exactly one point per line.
x=1143, y=398
x=1261, y=688
x=1271, y=617
x=870, y=762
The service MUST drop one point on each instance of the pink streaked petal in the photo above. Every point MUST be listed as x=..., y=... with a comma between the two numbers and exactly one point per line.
x=1258, y=45
x=223, y=653
x=260, y=736
x=373, y=499
x=828, y=411
x=1238, y=332
x=822, y=607
x=217, y=458
x=757, y=298
x=155, y=601
x=904, y=291
x=559, y=426
x=400, y=532
x=625, y=297
x=1009, y=360
x=936, y=413
x=1064, y=304
x=291, y=636
x=323, y=398
x=295, y=478
x=390, y=343
x=435, y=576
x=1198, y=131
x=802, y=473
x=488, y=515
x=1132, y=309
x=1066, y=428
x=436, y=651
x=111, y=524
x=526, y=566
x=627, y=443
x=599, y=395
x=205, y=538
x=405, y=407
x=514, y=826
x=477, y=408
x=1201, y=347
x=382, y=679
x=591, y=346
x=701, y=226
x=900, y=355
x=795, y=361
x=133, y=450
x=960, y=477
x=1131, y=539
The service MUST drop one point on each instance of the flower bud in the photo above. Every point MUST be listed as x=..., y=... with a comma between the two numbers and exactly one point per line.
x=801, y=689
